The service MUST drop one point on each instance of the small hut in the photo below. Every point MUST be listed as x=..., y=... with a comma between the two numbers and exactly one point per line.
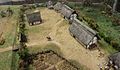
x=58, y=6
x=49, y=4
x=115, y=60
x=66, y=11
x=83, y=34
x=34, y=18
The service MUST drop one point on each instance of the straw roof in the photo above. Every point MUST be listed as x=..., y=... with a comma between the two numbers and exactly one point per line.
x=82, y=32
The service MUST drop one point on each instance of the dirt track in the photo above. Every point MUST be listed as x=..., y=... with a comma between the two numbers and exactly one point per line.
x=57, y=28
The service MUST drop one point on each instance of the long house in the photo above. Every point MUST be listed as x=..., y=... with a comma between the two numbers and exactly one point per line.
x=85, y=35
x=58, y=6
x=67, y=12
x=114, y=60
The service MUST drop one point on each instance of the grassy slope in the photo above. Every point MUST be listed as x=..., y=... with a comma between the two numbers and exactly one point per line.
x=6, y=58
x=104, y=23
x=9, y=36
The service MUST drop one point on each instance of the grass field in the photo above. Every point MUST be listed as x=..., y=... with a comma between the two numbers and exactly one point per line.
x=5, y=60
x=8, y=26
x=8, y=59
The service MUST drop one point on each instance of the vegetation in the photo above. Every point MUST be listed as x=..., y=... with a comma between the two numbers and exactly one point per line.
x=9, y=29
x=23, y=51
x=5, y=60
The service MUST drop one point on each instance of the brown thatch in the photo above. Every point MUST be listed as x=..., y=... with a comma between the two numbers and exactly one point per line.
x=58, y=6
x=67, y=11
x=49, y=4
x=83, y=33
x=34, y=18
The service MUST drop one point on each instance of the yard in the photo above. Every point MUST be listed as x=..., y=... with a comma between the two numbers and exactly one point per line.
x=57, y=29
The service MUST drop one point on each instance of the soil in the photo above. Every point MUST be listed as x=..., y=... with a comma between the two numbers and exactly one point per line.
x=51, y=61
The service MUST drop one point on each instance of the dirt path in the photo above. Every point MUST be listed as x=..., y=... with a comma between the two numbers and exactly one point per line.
x=5, y=49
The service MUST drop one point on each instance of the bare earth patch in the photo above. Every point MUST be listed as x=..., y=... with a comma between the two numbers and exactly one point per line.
x=57, y=28
x=51, y=61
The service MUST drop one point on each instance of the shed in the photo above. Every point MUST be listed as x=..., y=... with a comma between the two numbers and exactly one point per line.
x=49, y=4
x=58, y=6
x=66, y=11
x=115, y=58
x=83, y=34
x=34, y=18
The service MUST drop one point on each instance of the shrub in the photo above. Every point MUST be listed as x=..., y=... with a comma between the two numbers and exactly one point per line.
x=114, y=43
x=2, y=14
x=10, y=11
x=91, y=23
x=115, y=21
x=108, y=39
x=87, y=3
x=2, y=41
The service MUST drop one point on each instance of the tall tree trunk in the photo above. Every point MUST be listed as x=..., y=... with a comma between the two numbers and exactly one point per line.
x=115, y=5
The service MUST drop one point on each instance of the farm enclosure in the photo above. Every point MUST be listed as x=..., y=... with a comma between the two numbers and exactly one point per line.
x=57, y=28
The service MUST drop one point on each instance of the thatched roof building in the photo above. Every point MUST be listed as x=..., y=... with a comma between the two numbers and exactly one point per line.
x=67, y=11
x=115, y=58
x=49, y=4
x=58, y=6
x=34, y=18
x=83, y=34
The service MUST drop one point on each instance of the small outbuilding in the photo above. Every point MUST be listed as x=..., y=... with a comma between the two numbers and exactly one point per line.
x=115, y=61
x=58, y=6
x=49, y=4
x=83, y=34
x=66, y=11
x=34, y=18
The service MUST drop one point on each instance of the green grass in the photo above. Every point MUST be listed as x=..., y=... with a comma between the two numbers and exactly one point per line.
x=5, y=60
x=108, y=48
x=9, y=59
x=9, y=36
x=47, y=47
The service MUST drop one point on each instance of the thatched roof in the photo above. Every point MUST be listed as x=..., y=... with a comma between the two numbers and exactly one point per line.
x=49, y=4
x=34, y=17
x=115, y=58
x=67, y=11
x=3, y=1
x=82, y=32
x=58, y=6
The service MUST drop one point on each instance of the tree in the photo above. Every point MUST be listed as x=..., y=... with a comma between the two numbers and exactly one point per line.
x=86, y=2
x=115, y=5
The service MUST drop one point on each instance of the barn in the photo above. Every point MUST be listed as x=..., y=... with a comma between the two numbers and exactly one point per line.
x=34, y=18
x=115, y=60
x=83, y=34
x=66, y=11
x=58, y=6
